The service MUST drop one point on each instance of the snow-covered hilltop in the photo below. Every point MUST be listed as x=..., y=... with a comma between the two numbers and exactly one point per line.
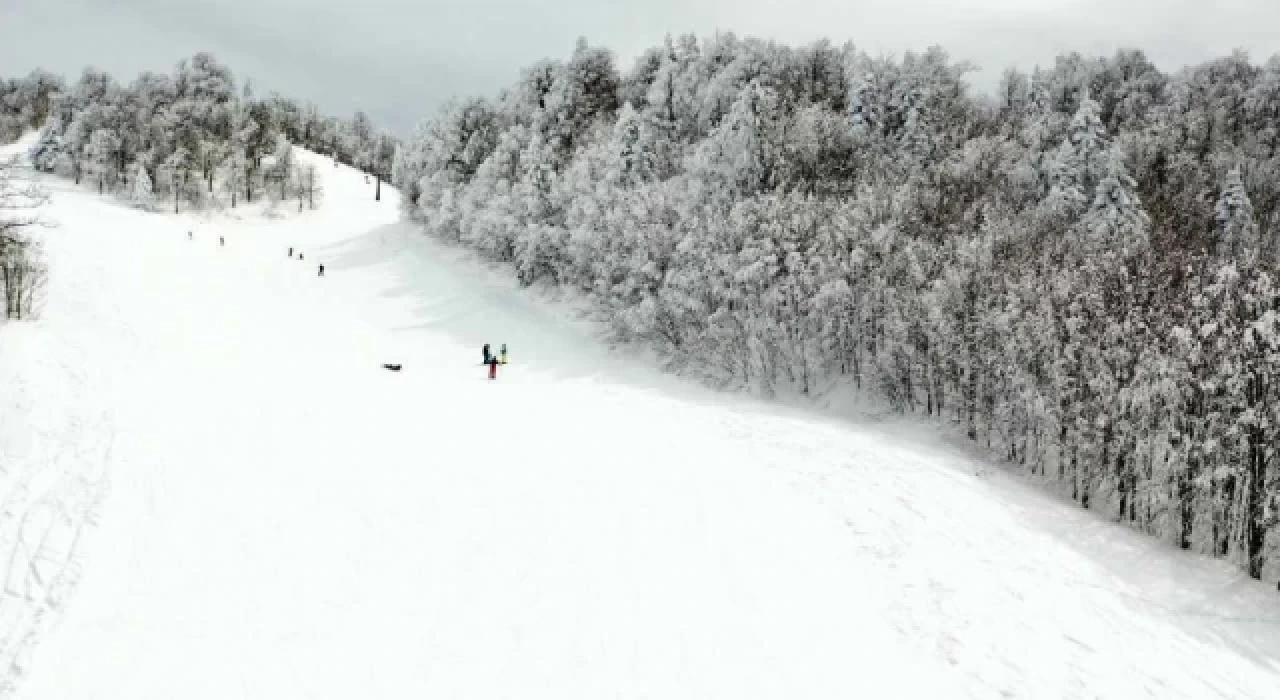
x=1077, y=274
x=212, y=486
x=268, y=513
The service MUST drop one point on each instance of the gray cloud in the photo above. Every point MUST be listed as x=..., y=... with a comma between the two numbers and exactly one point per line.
x=401, y=59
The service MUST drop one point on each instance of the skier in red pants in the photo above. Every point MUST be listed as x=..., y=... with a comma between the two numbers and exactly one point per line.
x=493, y=367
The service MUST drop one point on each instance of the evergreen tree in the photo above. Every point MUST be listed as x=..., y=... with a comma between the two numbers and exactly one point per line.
x=1115, y=219
x=1237, y=233
x=1084, y=159
x=140, y=192
x=47, y=149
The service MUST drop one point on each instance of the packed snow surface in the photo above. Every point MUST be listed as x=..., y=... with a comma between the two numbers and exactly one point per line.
x=212, y=489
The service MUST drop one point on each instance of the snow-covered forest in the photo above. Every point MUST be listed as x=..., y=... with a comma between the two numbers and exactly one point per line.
x=1079, y=272
x=189, y=139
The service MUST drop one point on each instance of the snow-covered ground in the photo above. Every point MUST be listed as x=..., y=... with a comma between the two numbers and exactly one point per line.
x=203, y=438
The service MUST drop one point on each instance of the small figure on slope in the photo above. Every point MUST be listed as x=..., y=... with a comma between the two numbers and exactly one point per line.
x=188, y=235
x=503, y=352
x=493, y=367
x=291, y=252
x=321, y=271
x=222, y=241
x=299, y=255
x=485, y=353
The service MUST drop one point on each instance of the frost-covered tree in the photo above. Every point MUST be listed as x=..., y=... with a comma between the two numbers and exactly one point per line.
x=46, y=151
x=1082, y=162
x=310, y=188
x=179, y=171
x=283, y=170
x=101, y=154
x=141, y=194
x=1115, y=220
x=1237, y=231
x=743, y=153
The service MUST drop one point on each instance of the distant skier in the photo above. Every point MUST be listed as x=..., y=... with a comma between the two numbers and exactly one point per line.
x=291, y=252
x=321, y=271
x=299, y=255
x=485, y=351
x=503, y=352
x=188, y=235
x=493, y=367
x=222, y=241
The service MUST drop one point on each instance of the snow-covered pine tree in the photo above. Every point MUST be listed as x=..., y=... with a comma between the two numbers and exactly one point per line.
x=141, y=194
x=1237, y=234
x=1115, y=220
x=46, y=150
x=1079, y=164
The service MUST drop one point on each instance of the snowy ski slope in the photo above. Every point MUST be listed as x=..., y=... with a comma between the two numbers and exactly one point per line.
x=202, y=438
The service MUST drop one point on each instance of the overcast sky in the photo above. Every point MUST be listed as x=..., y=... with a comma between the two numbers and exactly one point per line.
x=400, y=59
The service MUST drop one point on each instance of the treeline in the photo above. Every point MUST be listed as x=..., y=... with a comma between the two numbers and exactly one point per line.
x=24, y=104
x=189, y=139
x=1079, y=272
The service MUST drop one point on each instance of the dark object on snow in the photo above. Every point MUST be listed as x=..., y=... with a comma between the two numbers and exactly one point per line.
x=493, y=368
x=188, y=235
x=222, y=241
x=485, y=350
x=393, y=368
x=503, y=353
x=299, y=255
x=321, y=271
x=291, y=252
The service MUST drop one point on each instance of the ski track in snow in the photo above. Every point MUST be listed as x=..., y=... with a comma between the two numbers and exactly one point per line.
x=286, y=519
